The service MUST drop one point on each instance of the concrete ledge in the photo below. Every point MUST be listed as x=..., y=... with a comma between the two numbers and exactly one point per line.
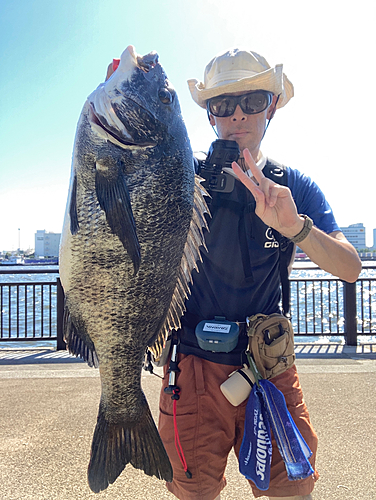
x=302, y=350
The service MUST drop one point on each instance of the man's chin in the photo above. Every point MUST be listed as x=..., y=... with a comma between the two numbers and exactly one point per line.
x=241, y=140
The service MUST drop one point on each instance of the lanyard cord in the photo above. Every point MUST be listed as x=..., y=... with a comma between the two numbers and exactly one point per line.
x=174, y=390
x=178, y=445
x=274, y=110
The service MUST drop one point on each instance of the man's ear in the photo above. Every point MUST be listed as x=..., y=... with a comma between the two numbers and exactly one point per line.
x=272, y=108
x=211, y=120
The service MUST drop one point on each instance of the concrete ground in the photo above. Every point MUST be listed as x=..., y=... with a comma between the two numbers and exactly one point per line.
x=48, y=410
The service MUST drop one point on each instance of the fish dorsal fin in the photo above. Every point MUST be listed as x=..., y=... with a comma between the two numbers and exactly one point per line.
x=191, y=255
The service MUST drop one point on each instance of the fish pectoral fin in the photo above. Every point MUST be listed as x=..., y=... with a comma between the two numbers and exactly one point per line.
x=78, y=343
x=113, y=197
x=74, y=226
x=117, y=444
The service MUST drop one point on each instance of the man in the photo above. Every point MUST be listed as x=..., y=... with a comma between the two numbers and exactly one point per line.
x=239, y=277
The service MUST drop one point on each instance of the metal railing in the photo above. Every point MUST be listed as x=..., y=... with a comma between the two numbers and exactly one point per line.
x=33, y=310
x=366, y=306
x=30, y=309
x=316, y=306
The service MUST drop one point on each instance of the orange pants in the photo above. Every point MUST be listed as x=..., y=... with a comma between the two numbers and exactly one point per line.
x=209, y=427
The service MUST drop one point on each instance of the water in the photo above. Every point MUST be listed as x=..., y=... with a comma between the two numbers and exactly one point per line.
x=322, y=323
x=12, y=275
x=325, y=297
x=37, y=305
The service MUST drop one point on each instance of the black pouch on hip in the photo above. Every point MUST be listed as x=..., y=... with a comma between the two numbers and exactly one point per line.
x=217, y=335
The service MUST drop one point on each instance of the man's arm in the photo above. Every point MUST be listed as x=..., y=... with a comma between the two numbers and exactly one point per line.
x=276, y=208
x=333, y=253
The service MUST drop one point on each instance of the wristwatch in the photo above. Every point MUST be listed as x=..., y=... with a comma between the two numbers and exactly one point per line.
x=308, y=223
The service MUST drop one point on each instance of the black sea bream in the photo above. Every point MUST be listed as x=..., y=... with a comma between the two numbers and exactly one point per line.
x=131, y=235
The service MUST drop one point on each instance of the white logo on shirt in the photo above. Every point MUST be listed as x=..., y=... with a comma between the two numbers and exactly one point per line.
x=272, y=243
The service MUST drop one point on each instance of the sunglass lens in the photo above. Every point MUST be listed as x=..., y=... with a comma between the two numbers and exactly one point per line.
x=254, y=103
x=222, y=106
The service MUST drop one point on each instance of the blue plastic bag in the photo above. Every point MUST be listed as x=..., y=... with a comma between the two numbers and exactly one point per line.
x=267, y=408
x=256, y=449
x=294, y=450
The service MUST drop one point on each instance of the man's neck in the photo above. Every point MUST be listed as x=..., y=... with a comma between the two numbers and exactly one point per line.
x=257, y=155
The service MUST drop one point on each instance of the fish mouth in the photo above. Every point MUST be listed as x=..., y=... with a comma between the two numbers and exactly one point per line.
x=100, y=125
x=107, y=102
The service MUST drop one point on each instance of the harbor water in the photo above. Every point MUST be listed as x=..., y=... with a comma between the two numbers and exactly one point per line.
x=44, y=297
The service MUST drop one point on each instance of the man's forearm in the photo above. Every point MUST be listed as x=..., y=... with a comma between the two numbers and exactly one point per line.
x=332, y=253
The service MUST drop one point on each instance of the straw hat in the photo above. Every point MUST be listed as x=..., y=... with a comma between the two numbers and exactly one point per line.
x=239, y=70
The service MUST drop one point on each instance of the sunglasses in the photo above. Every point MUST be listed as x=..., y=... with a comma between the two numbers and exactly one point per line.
x=251, y=103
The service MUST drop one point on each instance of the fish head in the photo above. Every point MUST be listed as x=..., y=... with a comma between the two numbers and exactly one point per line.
x=137, y=106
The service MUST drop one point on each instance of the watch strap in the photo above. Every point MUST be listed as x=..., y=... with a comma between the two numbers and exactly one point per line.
x=308, y=223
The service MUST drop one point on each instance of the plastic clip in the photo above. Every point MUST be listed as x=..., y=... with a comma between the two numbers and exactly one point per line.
x=148, y=365
x=172, y=370
x=253, y=368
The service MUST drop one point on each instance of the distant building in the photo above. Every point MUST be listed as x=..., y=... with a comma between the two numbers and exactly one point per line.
x=374, y=239
x=356, y=234
x=47, y=244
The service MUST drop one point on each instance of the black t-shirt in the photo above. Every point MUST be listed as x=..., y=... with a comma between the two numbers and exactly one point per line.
x=239, y=275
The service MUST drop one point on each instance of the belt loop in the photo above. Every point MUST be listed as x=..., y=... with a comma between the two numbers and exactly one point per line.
x=199, y=375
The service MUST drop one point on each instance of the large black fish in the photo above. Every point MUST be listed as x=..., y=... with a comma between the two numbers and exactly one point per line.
x=130, y=240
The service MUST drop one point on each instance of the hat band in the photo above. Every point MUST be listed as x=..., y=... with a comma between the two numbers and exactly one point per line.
x=230, y=77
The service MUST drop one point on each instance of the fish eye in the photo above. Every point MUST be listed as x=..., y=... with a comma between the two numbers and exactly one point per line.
x=165, y=96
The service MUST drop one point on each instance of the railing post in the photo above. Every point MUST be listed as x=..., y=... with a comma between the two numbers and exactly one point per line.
x=60, y=344
x=349, y=305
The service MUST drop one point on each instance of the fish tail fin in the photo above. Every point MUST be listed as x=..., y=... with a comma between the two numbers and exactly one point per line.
x=116, y=445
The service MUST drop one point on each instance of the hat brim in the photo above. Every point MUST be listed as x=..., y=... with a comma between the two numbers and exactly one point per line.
x=272, y=80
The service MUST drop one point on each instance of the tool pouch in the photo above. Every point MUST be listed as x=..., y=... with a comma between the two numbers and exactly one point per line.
x=271, y=342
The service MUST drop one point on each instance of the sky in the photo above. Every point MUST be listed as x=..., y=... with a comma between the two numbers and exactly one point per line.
x=54, y=54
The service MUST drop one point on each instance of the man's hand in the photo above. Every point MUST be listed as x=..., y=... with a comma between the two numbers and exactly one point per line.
x=274, y=203
x=276, y=208
x=112, y=67
x=109, y=71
